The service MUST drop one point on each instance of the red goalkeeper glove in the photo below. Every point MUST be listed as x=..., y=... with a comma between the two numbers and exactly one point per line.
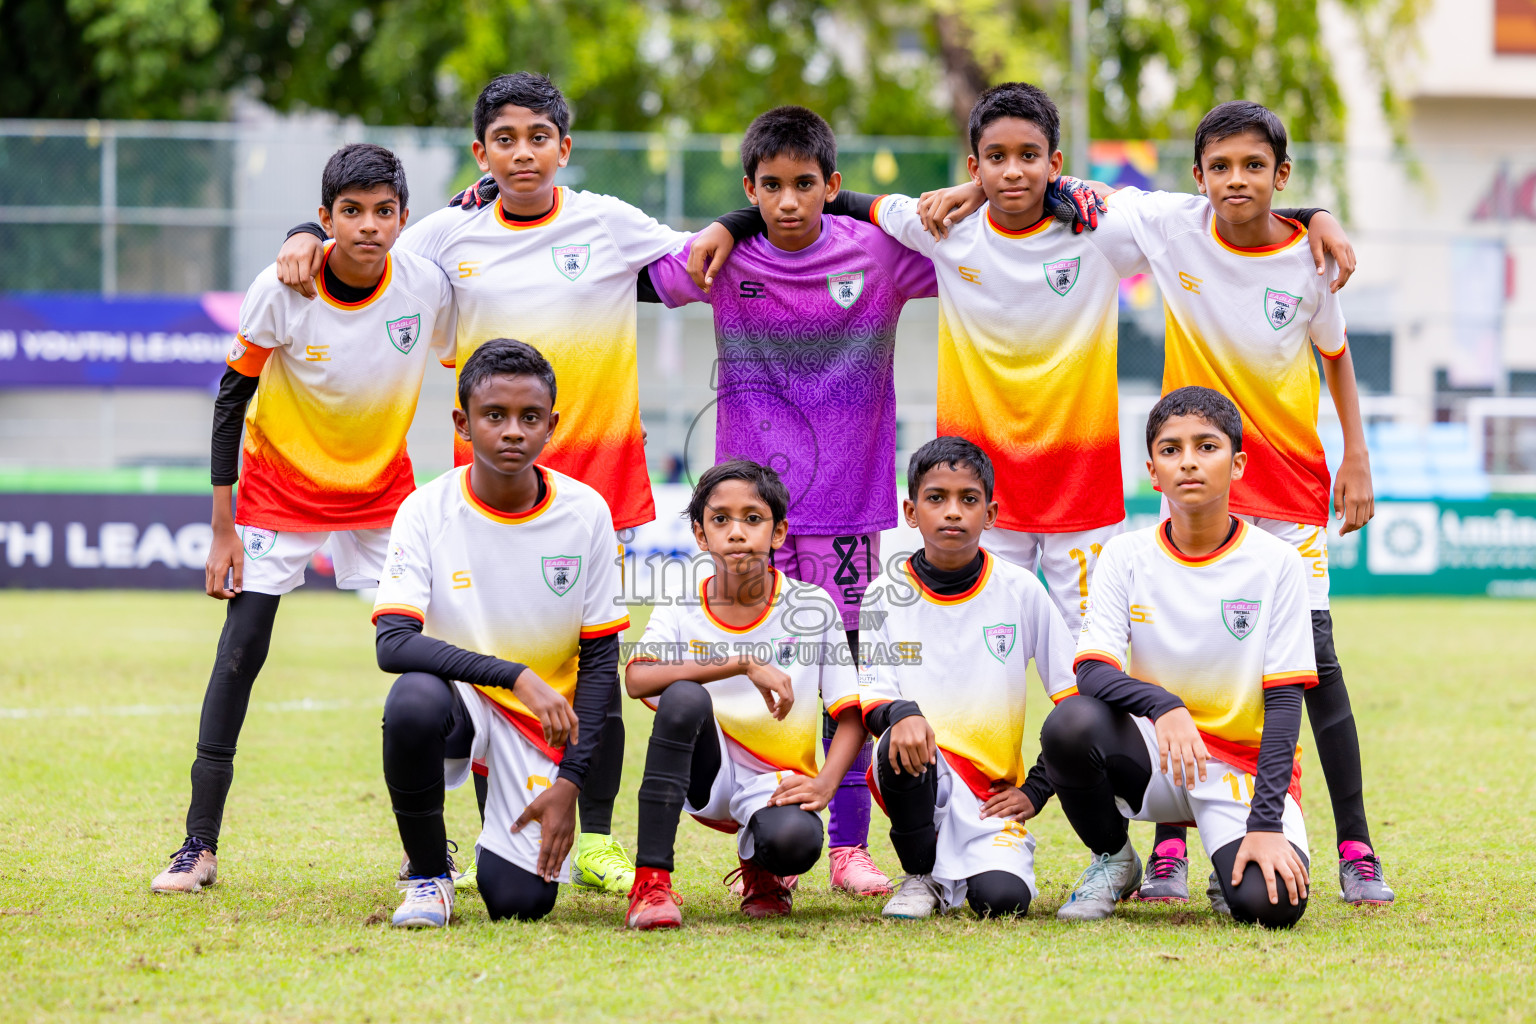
x=477, y=195
x=1073, y=201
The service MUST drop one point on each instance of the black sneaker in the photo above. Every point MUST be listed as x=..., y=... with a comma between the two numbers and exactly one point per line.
x=1362, y=884
x=1217, y=897
x=1167, y=880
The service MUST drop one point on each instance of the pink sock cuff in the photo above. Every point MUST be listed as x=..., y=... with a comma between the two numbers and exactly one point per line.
x=1352, y=849
x=1171, y=848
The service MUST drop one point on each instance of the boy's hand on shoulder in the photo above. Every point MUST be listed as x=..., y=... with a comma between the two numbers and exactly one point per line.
x=775, y=686
x=1274, y=855
x=555, y=811
x=1354, y=499
x=1327, y=238
x=224, y=555
x=1180, y=749
x=943, y=208
x=810, y=794
x=299, y=261
x=1008, y=802
x=477, y=195
x=1075, y=202
x=553, y=711
x=706, y=257
x=913, y=747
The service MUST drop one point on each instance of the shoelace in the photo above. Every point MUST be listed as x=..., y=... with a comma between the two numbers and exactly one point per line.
x=1368, y=868
x=1085, y=881
x=185, y=859
x=860, y=856
x=1160, y=868
x=610, y=856
x=657, y=893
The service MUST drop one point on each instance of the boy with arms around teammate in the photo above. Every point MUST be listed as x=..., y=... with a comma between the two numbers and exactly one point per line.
x=733, y=674
x=950, y=714
x=1244, y=311
x=805, y=325
x=326, y=391
x=501, y=606
x=558, y=268
x=1202, y=723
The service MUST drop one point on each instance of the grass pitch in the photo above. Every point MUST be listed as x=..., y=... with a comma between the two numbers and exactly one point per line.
x=98, y=715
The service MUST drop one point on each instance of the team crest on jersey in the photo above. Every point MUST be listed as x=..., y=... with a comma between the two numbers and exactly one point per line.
x=845, y=288
x=1240, y=616
x=571, y=260
x=256, y=541
x=404, y=331
x=1062, y=275
x=561, y=572
x=784, y=649
x=1280, y=307
x=1000, y=639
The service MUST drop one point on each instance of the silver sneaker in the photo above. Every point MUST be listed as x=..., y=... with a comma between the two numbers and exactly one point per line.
x=1108, y=879
x=1217, y=897
x=1361, y=882
x=428, y=903
x=916, y=898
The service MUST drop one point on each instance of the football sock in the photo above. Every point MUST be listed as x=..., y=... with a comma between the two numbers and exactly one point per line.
x=242, y=651
x=681, y=762
x=909, y=803
x=602, y=786
x=1333, y=733
x=1352, y=850
x=1171, y=848
x=1094, y=754
x=1171, y=834
x=848, y=813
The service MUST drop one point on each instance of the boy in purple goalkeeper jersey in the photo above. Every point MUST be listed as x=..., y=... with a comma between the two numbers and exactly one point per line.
x=805, y=324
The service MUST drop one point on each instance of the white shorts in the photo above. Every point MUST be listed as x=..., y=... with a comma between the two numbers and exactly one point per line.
x=275, y=559
x=516, y=772
x=1312, y=542
x=1218, y=806
x=1066, y=559
x=970, y=844
x=737, y=793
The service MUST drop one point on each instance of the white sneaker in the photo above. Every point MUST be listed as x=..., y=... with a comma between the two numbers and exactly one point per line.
x=428, y=903
x=1108, y=879
x=917, y=897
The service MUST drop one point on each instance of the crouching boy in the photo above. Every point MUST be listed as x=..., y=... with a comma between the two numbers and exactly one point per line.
x=733, y=672
x=1204, y=732
x=943, y=686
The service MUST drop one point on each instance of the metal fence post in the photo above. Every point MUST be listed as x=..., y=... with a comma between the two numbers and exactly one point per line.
x=108, y=210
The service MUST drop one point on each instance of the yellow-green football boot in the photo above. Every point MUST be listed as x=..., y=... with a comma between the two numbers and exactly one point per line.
x=601, y=864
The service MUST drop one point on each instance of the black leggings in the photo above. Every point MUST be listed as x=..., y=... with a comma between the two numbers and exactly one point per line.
x=424, y=722
x=596, y=800
x=242, y=651
x=510, y=891
x=1334, y=736
x=1094, y=754
x=681, y=762
x=910, y=802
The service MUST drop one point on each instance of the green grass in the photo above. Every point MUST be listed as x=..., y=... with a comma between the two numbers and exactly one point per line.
x=93, y=803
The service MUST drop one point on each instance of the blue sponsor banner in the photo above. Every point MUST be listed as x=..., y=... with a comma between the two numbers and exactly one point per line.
x=89, y=341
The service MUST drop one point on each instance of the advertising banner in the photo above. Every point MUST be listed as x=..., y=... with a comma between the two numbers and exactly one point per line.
x=89, y=341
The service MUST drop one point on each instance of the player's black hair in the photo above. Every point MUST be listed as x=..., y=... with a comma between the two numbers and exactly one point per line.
x=769, y=487
x=504, y=357
x=795, y=131
x=362, y=165
x=1015, y=99
x=1212, y=406
x=521, y=89
x=1228, y=119
x=951, y=451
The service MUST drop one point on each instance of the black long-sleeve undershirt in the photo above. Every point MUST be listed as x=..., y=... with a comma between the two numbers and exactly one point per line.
x=401, y=647
x=1277, y=755
x=235, y=393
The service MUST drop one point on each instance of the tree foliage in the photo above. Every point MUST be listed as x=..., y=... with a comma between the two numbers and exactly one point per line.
x=873, y=66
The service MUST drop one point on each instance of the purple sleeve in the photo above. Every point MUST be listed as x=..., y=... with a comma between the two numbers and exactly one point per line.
x=911, y=270
x=669, y=276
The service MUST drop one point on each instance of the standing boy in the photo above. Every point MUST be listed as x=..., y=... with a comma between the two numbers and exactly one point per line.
x=557, y=268
x=734, y=678
x=1215, y=613
x=1245, y=309
x=805, y=326
x=335, y=385
x=949, y=706
x=500, y=606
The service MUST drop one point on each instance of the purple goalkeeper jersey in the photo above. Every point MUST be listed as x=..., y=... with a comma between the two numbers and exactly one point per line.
x=805, y=378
